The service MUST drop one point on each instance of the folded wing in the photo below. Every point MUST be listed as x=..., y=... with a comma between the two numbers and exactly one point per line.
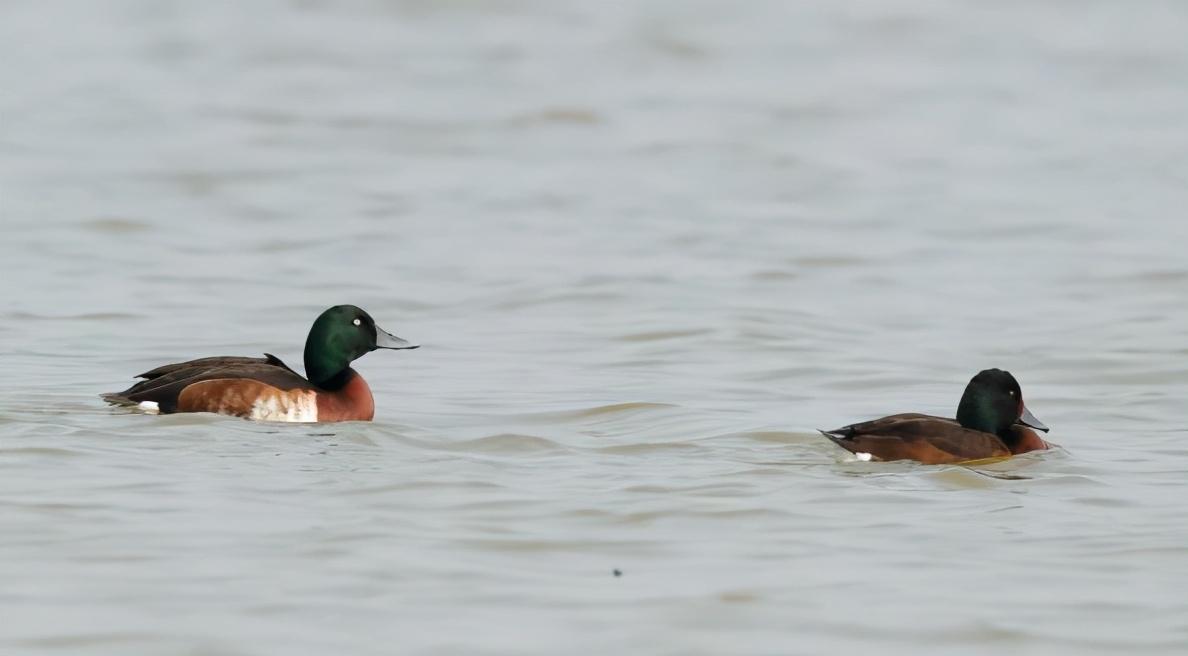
x=920, y=437
x=164, y=384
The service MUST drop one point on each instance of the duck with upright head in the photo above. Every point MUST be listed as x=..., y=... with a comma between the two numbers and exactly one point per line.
x=266, y=388
x=992, y=422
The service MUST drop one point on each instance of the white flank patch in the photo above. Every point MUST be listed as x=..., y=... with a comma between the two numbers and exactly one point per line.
x=864, y=457
x=296, y=406
x=149, y=407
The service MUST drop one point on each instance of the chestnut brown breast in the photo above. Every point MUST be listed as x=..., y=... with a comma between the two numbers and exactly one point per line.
x=353, y=402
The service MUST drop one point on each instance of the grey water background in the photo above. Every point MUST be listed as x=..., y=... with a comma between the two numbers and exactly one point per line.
x=648, y=248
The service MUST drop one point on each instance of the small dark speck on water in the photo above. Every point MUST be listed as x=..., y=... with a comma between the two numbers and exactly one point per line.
x=617, y=572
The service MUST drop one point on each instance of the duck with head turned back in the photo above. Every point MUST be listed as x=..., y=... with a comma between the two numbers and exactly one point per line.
x=267, y=389
x=992, y=422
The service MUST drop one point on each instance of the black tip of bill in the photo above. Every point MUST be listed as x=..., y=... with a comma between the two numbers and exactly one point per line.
x=386, y=340
x=1029, y=420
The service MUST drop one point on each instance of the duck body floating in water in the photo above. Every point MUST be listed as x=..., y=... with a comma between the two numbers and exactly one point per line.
x=266, y=389
x=992, y=422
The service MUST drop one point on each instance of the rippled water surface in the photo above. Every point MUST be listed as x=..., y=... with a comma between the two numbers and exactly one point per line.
x=648, y=248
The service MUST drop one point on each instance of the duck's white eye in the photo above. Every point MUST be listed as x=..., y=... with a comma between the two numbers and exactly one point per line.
x=359, y=322
x=1012, y=392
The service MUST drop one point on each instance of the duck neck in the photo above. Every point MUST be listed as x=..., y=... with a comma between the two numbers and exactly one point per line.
x=977, y=414
x=325, y=369
x=335, y=381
